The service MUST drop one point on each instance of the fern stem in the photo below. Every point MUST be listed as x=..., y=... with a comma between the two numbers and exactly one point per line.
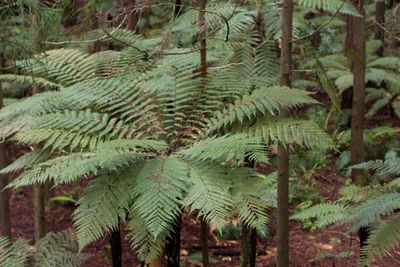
x=245, y=251
x=204, y=242
x=253, y=247
x=116, y=247
x=5, y=224
x=173, y=245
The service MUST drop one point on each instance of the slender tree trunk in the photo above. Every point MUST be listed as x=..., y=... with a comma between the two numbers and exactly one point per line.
x=356, y=46
x=245, y=252
x=283, y=155
x=253, y=247
x=38, y=189
x=379, y=32
x=173, y=246
x=204, y=242
x=116, y=247
x=203, y=73
x=5, y=222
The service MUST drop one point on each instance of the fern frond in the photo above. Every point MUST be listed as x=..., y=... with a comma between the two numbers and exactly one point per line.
x=386, y=63
x=13, y=255
x=41, y=82
x=106, y=199
x=250, y=200
x=58, y=249
x=146, y=246
x=209, y=192
x=69, y=168
x=381, y=240
x=330, y=5
x=271, y=100
x=325, y=214
x=226, y=147
x=160, y=188
x=27, y=161
x=370, y=211
x=291, y=131
x=386, y=167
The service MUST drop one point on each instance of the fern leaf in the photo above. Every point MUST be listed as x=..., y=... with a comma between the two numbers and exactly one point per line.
x=291, y=131
x=226, y=147
x=370, y=211
x=106, y=199
x=160, y=188
x=272, y=99
x=385, y=237
x=325, y=214
x=209, y=192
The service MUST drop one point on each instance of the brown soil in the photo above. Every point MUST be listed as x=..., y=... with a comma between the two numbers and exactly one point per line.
x=305, y=246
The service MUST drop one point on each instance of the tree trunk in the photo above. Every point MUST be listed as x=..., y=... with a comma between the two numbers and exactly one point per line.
x=38, y=189
x=203, y=73
x=283, y=155
x=379, y=32
x=173, y=246
x=116, y=247
x=245, y=252
x=253, y=247
x=356, y=47
x=204, y=242
x=5, y=223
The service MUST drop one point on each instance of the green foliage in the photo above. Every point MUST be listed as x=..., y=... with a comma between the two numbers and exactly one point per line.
x=53, y=250
x=152, y=134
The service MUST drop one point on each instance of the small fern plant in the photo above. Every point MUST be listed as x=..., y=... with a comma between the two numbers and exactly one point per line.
x=53, y=250
x=373, y=206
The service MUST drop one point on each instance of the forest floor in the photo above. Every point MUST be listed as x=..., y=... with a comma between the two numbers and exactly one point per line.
x=331, y=247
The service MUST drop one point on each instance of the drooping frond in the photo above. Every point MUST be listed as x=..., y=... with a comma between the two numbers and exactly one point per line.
x=271, y=100
x=209, y=192
x=27, y=161
x=61, y=66
x=325, y=214
x=69, y=168
x=53, y=250
x=58, y=249
x=106, y=199
x=228, y=147
x=41, y=82
x=291, y=131
x=330, y=5
x=370, y=211
x=390, y=166
x=143, y=242
x=159, y=191
x=381, y=240
x=13, y=255
x=251, y=196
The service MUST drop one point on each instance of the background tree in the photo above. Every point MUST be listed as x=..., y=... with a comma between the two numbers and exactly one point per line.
x=356, y=51
x=283, y=153
x=5, y=219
